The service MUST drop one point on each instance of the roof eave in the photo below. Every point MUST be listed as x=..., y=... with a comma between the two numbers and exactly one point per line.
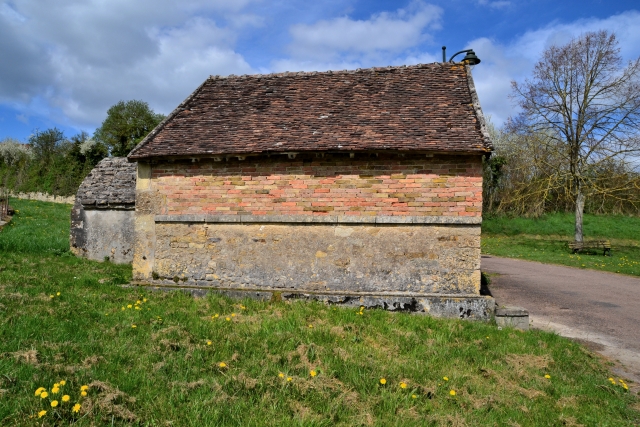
x=478, y=110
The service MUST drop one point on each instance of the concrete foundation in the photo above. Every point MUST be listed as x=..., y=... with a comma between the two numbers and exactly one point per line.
x=463, y=307
x=514, y=317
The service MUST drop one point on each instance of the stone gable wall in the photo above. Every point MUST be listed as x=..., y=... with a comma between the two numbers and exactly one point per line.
x=366, y=185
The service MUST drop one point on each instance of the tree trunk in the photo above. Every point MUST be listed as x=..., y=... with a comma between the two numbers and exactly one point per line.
x=579, y=212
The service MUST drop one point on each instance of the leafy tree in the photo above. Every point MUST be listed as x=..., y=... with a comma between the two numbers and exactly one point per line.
x=586, y=104
x=44, y=144
x=127, y=123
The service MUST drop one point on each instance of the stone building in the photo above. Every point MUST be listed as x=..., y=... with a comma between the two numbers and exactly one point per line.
x=102, y=218
x=359, y=187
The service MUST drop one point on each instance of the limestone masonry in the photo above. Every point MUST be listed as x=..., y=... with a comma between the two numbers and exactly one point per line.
x=102, y=218
x=360, y=187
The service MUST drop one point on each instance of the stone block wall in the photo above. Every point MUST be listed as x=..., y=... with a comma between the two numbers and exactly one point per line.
x=101, y=234
x=321, y=257
x=388, y=226
x=366, y=185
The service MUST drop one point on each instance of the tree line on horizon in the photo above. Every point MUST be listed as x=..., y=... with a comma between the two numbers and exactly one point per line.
x=52, y=163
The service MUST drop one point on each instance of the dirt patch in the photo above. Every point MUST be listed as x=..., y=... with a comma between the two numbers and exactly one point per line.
x=92, y=361
x=529, y=361
x=341, y=353
x=453, y=420
x=301, y=353
x=567, y=402
x=570, y=422
x=30, y=357
x=110, y=401
x=303, y=412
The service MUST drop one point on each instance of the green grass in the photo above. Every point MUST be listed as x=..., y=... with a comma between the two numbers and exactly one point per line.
x=166, y=370
x=545, y=240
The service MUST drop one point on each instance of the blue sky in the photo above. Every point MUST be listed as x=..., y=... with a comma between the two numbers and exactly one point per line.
x=66, y=63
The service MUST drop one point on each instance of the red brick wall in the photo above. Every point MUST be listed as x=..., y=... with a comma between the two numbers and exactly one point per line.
x=333, y=185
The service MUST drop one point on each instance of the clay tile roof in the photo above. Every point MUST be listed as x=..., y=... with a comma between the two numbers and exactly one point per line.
x=112, y=183
x=432, y=107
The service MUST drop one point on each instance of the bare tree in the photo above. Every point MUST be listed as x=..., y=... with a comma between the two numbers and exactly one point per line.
x=588, y=105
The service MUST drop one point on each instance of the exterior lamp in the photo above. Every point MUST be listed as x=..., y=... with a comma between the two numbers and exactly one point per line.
x=470, y=58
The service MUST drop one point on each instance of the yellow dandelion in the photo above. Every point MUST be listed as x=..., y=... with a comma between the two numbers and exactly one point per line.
x=547, y=376
x=50, y=296
x=44, y=394
x=55, y=390
x=625, y=386
x=452, y=392
x=138, y=302
x=222, y=365
x=122, y=308
x=233, y=315
x=42, y=414
x=445, y=378
x=58, y=293
x=289, y=378
x=138, y=308
x=76, y=407
x=65, y=398
x=216, y=316
x=129, y=306
x=83, y=393
x=84, y=388
x=403, y=385
x=313, y=373
x=40, y=390
x=209, y=343
x=281, y=375
x=383, y=381
x=413, y=396
x=133, y=326
x=311, y=326
x=56, y=385
x=63, y=382
x=144, y=300
x=54, y=403
x=228, y=319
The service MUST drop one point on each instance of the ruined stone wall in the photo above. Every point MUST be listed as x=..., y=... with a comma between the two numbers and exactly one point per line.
x=334, y=185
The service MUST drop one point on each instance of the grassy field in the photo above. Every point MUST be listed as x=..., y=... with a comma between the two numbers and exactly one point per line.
x=166, y=359
x=545, y=240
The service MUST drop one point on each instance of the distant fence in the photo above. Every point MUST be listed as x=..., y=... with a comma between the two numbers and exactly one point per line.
x=44, y=197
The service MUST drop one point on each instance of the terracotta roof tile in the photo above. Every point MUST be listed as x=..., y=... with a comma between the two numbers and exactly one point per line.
x=430, y=107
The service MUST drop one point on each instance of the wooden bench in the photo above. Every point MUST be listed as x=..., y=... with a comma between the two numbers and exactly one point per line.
x=603, y=245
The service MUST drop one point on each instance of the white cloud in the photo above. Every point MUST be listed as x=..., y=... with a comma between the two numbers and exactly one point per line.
x=78, y=57
x=503, y=63
x=347, y=40
x=494, y=4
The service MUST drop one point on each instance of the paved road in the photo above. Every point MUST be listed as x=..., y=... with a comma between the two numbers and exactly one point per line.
x=602, y=308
